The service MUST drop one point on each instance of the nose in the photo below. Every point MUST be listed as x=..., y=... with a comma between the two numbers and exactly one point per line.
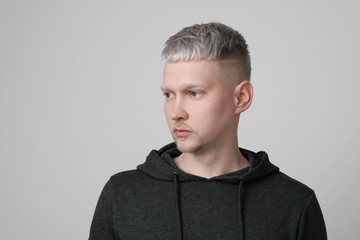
x=178, y=111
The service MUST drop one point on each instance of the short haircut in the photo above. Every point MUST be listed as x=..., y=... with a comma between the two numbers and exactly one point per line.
x=211, y=41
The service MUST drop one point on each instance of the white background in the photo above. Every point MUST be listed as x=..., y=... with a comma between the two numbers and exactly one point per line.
x=80, y=101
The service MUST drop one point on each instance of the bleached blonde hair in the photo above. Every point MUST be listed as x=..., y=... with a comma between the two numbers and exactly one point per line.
x=211, y=41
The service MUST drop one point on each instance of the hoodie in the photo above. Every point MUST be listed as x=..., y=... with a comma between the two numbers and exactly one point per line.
x=160, y=201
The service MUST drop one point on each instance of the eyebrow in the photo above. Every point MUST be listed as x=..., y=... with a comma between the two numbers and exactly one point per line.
x=163, y=88
x=184, y=86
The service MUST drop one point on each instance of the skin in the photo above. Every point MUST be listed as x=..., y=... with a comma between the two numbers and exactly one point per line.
x=203, y=102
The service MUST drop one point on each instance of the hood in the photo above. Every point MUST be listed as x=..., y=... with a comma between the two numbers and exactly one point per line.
x=159, y=164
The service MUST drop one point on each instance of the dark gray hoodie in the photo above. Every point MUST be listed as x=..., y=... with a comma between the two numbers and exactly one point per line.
x=160, y=201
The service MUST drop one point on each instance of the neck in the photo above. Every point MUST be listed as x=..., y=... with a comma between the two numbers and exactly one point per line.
x=213, y=162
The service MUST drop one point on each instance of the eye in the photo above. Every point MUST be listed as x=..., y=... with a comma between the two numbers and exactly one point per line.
x=194, y=93
x=167, y=95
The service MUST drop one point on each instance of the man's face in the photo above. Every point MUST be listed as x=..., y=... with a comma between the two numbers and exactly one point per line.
x=199, y=105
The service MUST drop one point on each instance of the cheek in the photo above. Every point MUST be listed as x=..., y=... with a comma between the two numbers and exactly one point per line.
x=167, y=112
x=215, y=108
x=216, y=113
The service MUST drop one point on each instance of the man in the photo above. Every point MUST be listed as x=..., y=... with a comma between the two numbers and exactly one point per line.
x=204, y=186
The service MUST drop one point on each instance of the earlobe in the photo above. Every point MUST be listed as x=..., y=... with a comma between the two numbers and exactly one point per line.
x=243, y=96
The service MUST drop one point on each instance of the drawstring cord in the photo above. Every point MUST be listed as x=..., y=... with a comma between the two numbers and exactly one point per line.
x=177, y=190
x=240, y=209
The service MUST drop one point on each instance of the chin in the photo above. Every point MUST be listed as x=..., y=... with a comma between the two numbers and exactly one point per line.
x=186, y=145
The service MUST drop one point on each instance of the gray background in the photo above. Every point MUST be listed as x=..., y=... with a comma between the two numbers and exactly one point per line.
x=80, y=101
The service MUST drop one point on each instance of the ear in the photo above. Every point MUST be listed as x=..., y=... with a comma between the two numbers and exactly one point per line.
x=243, y=96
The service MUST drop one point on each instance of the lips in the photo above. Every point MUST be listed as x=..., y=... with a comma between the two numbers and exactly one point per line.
x=181, y=133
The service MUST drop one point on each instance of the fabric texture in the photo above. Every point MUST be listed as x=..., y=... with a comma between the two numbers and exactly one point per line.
x=160, y=201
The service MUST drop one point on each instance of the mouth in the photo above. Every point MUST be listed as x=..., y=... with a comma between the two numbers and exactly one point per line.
x=181, y=133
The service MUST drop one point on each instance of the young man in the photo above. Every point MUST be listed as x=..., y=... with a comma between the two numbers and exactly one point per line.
x=204, y=186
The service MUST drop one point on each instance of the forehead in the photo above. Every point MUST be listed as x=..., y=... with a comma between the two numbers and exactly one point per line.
x=201, y=72
x=192, y=72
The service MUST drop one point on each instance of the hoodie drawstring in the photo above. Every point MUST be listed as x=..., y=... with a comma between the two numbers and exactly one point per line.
x=177, y=191
x=240, y=209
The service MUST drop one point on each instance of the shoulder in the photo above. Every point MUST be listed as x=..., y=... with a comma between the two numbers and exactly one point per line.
x=125, y=177
x=129, y=180
x=281, y=189
x=289, y=183
x=124, y=174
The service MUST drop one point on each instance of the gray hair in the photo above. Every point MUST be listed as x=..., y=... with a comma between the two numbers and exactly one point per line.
x=211, y=41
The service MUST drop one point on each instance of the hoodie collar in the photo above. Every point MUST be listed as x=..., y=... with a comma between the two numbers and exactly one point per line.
x=160, y=164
